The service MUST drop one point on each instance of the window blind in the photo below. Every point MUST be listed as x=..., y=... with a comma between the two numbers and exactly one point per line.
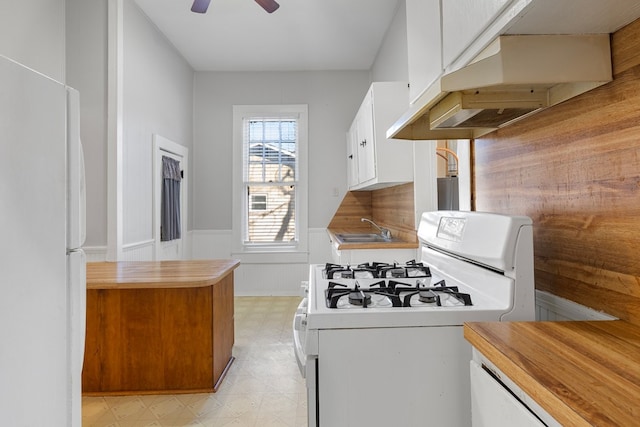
x=270, y=177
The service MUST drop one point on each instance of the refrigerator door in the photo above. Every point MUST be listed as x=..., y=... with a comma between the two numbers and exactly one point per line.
x=77, y=302
x=76, y=193
x=33, y=263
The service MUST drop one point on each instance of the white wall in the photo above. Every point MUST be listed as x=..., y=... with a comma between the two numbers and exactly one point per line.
x=333, y=98
x=392, y=63
x=32, y=33
x=87, y=72
x=158, y=98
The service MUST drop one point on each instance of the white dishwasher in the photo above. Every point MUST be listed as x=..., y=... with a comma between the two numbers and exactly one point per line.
x=497, y=402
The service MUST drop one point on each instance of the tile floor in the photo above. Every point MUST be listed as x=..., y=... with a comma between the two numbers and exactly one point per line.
x=263, y=387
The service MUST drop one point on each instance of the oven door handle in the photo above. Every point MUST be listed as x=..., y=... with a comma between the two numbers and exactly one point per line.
x=299, y=329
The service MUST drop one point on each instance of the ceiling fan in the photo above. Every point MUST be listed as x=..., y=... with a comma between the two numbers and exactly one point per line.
x=200, y=6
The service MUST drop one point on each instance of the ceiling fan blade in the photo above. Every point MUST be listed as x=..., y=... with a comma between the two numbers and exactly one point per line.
x=268, y=5
x=200, y=6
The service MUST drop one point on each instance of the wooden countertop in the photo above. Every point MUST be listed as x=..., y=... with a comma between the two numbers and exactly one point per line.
x=583, y=373
x=401, y=243
x=161, y=274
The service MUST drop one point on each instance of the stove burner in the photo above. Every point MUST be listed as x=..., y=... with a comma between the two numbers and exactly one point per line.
x=377, y=270
x=357, y=297
x=396, y=272
x=362, y=271
x=427, y=297
x=430, y=294
x=338, y=271
x=394, y=293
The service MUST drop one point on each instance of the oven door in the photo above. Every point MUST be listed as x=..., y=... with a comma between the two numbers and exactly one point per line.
x=307, y=363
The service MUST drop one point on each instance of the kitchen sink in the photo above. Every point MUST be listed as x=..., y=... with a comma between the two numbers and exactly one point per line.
x=361, y=238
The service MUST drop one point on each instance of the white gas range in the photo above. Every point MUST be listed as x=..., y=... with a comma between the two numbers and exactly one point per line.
x=382, y=345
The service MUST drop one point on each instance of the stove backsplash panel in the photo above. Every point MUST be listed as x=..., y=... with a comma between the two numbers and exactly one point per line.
x=574, y=170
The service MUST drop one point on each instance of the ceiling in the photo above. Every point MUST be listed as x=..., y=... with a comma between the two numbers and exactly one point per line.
x=302, y=35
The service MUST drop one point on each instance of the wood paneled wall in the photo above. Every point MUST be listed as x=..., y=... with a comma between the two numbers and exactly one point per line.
x=575, y=170
x=354, y=205
x=394, y=208
x=390, y=207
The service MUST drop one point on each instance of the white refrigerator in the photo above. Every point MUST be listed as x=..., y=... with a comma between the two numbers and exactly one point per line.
x=42, y=265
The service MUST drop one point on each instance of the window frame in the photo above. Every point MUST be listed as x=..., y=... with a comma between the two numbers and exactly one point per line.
x=253, y=202
x=298, y=250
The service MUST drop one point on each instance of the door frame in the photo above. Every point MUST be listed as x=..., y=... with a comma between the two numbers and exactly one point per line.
x=163, y=146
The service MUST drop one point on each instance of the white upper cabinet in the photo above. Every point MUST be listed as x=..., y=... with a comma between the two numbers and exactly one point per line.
x=352, y=155
x=423, y=45
x=366, y=140
x=373, y=161
x=443, y=35
x=575, y=17
x=463, y=21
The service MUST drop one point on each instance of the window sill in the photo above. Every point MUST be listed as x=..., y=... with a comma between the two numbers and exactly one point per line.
x=271, y=256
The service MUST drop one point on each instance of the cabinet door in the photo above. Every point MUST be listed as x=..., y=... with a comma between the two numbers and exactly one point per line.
x=379, y=162
x=463, y=21
x=352, y=155
x=366, y=141
x=493, y=406
x=423, y=45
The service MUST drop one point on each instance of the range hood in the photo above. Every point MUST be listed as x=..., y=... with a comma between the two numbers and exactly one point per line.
x=515, y=76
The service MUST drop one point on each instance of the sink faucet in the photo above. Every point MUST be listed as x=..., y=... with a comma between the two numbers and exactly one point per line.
x=383, y=231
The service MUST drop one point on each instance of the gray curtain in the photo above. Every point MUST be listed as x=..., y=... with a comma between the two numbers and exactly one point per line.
x=170, y=209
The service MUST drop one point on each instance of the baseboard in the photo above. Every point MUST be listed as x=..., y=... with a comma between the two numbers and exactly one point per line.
x=555, y=308
x=95, y=253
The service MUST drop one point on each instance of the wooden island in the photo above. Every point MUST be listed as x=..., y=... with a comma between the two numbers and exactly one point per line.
x=158, y=327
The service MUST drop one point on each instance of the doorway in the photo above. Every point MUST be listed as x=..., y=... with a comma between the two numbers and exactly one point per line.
x=172, y=248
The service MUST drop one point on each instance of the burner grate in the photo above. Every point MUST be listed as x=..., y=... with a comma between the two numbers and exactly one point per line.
x=429, y=294
x=357, y=295
x=376, y=270
x=398, y=293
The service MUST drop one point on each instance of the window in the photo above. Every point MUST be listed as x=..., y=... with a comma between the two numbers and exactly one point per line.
x=270, y=180
x=258, y=202
x=270, y=164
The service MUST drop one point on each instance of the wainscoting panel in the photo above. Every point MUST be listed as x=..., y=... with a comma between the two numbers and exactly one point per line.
x=555, y=308
x=95, y=253
x=139, y=251
x=271, y=277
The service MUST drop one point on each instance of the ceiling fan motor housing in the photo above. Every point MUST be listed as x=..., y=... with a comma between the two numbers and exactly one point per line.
x=201, y=6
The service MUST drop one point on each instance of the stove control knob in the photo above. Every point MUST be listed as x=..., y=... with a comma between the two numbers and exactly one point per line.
x=300, y=322
x=304, y=289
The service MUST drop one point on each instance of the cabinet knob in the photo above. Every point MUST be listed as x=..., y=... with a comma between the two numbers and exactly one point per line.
x=363, y=143
x=351, y=156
